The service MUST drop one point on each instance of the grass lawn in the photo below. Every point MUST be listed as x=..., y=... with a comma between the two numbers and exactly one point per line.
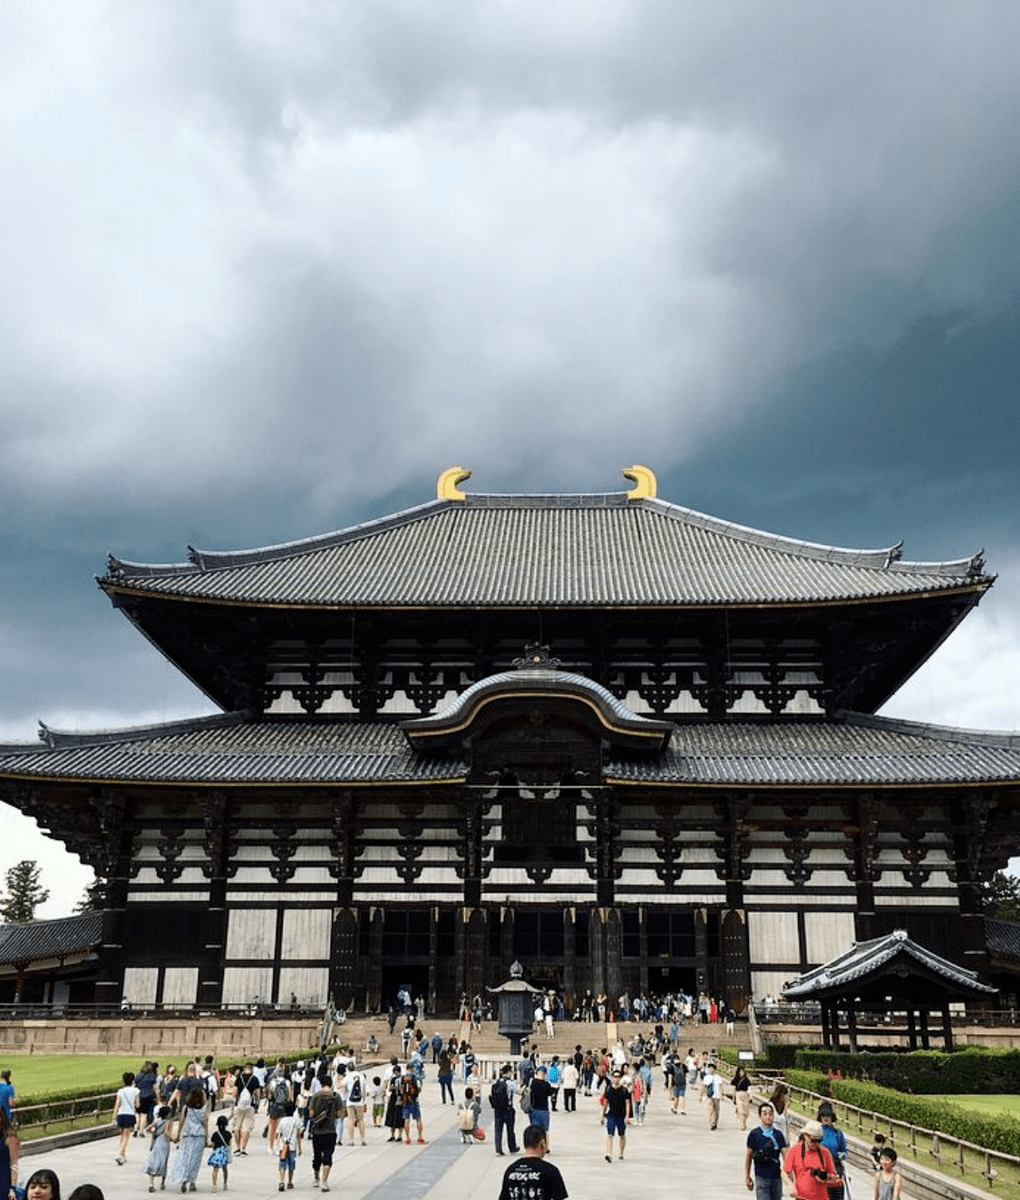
x=36, y=1076
x=990, y=1106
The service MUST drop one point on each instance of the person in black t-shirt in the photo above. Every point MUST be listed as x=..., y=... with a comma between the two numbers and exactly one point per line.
x=531, y=1177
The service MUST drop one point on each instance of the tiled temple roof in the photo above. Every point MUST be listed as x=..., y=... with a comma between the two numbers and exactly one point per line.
x=869, y=959
x=857, y=750
x=60, y=938
x=559, y=550
x=1003, y=938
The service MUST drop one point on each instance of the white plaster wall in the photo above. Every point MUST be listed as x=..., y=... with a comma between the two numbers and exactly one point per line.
x=769, y=983
x=140, y=985
x=309, y=984
x=180, y=985
x=251, y=933
x=772, y=937
x=828, y=934
x=306, y=933
x=242, y=984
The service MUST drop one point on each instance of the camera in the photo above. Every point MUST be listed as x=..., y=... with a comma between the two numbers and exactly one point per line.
x=818, y=1173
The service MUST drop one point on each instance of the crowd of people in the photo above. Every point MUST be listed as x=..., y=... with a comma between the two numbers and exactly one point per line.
x=318, y=1105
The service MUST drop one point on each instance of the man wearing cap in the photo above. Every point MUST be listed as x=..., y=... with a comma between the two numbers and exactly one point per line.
x=501, y=1096
x=808, y=1166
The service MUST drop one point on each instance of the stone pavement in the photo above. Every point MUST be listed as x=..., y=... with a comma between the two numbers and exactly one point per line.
x=666, y=1157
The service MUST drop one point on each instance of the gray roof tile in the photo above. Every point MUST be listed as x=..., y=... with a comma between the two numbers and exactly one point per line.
x=507, y=551
x=869, y=958
x=50, y=939
x=857, y=751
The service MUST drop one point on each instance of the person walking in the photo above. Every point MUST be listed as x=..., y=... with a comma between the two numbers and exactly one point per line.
x=323, y=1110
x=617, y=1101
x=713, y=1094
x=531, y=1177
x=808, y=1166
x=501, y=1097
x=192, y=1134
x=765, y=1147
x=158, y=1160
x=125, y=1113
x=741, y=1083
x=539, y=1093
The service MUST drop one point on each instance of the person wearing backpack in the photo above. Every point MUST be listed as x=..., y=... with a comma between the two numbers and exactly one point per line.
x=501, y=1097
x=410, y=1108
x=353, y=1097
x=278, y=1090
x=323, y=1110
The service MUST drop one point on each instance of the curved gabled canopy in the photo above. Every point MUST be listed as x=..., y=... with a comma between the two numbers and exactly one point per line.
x=891, y=966
x=478, y=708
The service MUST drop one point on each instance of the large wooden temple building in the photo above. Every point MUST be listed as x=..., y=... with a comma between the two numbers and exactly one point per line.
x=633, y=746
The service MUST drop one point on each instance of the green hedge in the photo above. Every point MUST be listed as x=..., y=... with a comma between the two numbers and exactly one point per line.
x=992, y=1133
x=971, y=1071
x=810, y=1081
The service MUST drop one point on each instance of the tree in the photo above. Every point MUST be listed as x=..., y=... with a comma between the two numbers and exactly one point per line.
x=1000, y=897
x=24, y=893
x=93, y=898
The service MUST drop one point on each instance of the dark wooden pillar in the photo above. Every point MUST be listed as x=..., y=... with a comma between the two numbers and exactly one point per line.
x=925, y=1039
x=343, y=958
x=826, y=1026
x=373, y=979
x=473, y=982
x=597, y=944
x=569, y=960
x=614, y=956
x=947, y=1025
x=705, y=982
x=605, y=849
x=218, y=849
x=912, y=1028
x=866, y=869
x=113, y=845
x=835, y=1025
x=851, y=1022
x=736, y=958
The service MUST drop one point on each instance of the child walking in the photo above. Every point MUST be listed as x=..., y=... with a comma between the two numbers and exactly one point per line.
x=888, y=1181
x=159, y=1150
x=221, y=1155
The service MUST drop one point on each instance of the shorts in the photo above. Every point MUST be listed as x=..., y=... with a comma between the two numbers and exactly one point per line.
x=679, y=1089
x=412, y=1111
x=540, y=1117
x=617, y=1125
x=125, y=1121
x=244, y=1119
x=286, y=1162
x=146, y=1104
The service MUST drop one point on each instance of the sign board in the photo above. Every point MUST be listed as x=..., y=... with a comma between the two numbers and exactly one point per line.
x=745, y=1056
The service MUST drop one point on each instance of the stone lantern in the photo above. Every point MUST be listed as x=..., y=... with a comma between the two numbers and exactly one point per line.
x=516, y=1007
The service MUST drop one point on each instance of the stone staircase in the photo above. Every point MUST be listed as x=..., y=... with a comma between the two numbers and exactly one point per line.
x=487, y=1042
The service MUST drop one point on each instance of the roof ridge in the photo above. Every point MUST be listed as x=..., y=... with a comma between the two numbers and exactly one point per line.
x=55, y=739
x=943, y=733
x=887, y=558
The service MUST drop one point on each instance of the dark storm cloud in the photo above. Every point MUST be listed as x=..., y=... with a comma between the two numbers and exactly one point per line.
x=267, y=271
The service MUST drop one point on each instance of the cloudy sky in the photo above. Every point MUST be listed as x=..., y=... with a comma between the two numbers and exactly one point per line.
x=269, y=269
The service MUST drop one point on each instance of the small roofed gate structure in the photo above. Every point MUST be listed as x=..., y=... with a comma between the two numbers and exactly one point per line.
x=887, y=974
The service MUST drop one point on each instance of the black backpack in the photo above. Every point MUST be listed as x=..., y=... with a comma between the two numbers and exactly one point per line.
x=354, y=1095
x=498, y=1095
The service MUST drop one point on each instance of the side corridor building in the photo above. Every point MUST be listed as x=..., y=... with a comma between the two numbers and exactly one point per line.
x=633, y=746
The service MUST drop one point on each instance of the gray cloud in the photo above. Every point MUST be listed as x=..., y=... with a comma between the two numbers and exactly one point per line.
x=268, y=272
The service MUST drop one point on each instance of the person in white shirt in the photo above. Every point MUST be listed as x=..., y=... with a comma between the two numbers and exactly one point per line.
x=354, y=1096
x=713, y=1093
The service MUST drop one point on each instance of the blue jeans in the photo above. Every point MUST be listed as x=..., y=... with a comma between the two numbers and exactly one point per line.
x=768, y=1189
x=540, y=1117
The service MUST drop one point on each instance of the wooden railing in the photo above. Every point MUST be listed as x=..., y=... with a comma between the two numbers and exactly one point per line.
x=931, y=1144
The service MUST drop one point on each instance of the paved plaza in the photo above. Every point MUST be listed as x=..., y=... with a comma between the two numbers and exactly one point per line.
x=666, y=1157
